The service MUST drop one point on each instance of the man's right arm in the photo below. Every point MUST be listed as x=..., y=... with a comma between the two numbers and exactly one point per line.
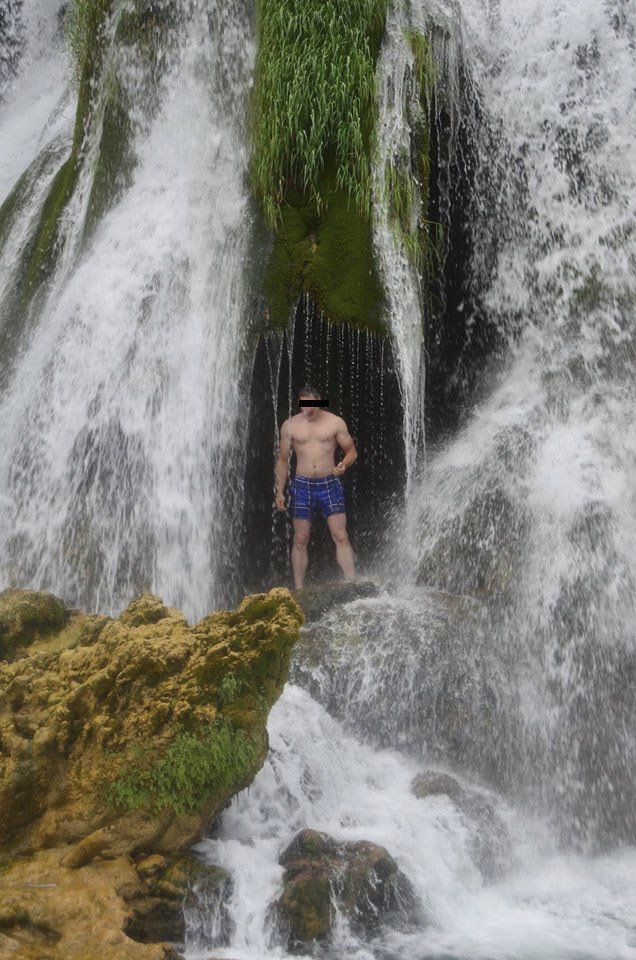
x=282, y=464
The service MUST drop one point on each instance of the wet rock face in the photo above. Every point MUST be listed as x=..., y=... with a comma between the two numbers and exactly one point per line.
x=167, y=889
x=491, y=846
x=360, y=879
x=478, y=552
x=321, y=597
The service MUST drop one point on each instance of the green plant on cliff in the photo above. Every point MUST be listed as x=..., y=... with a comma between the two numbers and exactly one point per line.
x=193, y=768
x=315, y=99
x=406, y=177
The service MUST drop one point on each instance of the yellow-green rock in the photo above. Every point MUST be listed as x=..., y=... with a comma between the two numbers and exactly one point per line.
x=122, y=739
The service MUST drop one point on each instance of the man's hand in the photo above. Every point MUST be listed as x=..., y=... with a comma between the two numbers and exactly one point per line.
x=280, y=501
x=339, y=469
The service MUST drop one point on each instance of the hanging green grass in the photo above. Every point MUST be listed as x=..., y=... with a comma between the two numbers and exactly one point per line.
x=314, y=102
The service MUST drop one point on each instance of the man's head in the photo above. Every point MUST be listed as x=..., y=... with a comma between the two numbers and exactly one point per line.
x=308, y=393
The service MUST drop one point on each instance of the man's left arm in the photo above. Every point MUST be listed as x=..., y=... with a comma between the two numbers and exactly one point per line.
x=345, y=442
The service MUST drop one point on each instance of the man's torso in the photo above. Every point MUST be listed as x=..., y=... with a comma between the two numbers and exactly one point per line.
x=314, y=443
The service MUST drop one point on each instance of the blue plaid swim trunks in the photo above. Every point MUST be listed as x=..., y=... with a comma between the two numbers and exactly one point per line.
x=307, y=495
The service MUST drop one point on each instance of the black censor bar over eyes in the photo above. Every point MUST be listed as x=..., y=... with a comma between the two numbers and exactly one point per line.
x=324, y=402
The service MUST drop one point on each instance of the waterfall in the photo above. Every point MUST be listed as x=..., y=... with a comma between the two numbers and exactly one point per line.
x=35, y=104
x=531, y=508
x=399, y=274
x=120, y=407
x=500, y=648
x=506, y=654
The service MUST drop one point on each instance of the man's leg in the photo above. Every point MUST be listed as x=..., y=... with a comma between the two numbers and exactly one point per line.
x=299, y=558
x=337, y=524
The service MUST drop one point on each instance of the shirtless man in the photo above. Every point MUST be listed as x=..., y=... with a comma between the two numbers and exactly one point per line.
x=314, y=434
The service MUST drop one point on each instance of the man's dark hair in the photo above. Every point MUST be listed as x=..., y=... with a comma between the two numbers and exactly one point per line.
x=309, y=391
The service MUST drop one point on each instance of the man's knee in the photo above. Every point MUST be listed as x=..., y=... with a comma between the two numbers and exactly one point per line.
x=301, y=538
x=339, y=536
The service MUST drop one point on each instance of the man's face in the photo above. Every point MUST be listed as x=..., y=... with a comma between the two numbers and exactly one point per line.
x=308, y=413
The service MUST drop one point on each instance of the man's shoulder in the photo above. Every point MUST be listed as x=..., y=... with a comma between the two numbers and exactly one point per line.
x=290, y=422
x=338, y=421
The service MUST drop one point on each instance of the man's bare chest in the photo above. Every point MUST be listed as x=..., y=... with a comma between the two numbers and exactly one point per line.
x=324, y=437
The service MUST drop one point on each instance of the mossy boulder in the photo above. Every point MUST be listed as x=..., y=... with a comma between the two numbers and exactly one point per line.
x=131, y=734
x=362, y=878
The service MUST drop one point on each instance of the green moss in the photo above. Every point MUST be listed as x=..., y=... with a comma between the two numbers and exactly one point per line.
x=229, y=688
x=328, y=255
x=192, y=770
x=43, y=251
x=10, y=208
x=115, y=160
x=313, y=133
x=77, y=29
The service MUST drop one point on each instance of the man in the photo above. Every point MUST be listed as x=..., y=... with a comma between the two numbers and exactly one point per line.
x=314, y=434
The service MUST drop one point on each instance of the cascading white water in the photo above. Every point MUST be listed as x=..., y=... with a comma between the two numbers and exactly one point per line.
x=399, y=274
x=533, y=503
x=35, y=102
x=521, y=670
x=547, y=906
x=119, y=422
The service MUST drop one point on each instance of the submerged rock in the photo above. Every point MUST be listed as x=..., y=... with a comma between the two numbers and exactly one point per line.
x=360, y=879
x=491, y=846
x=124, y=738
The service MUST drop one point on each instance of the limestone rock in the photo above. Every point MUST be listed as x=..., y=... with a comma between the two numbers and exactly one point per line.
x=25, y=615
x=491, y=846
x=49, y=911
x=144, y=609
x=123, y=738
x=133, y=736
x=362, y=877
x=318, y=598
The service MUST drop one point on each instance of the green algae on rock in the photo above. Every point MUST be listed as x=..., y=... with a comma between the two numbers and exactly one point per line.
x=43, y=250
